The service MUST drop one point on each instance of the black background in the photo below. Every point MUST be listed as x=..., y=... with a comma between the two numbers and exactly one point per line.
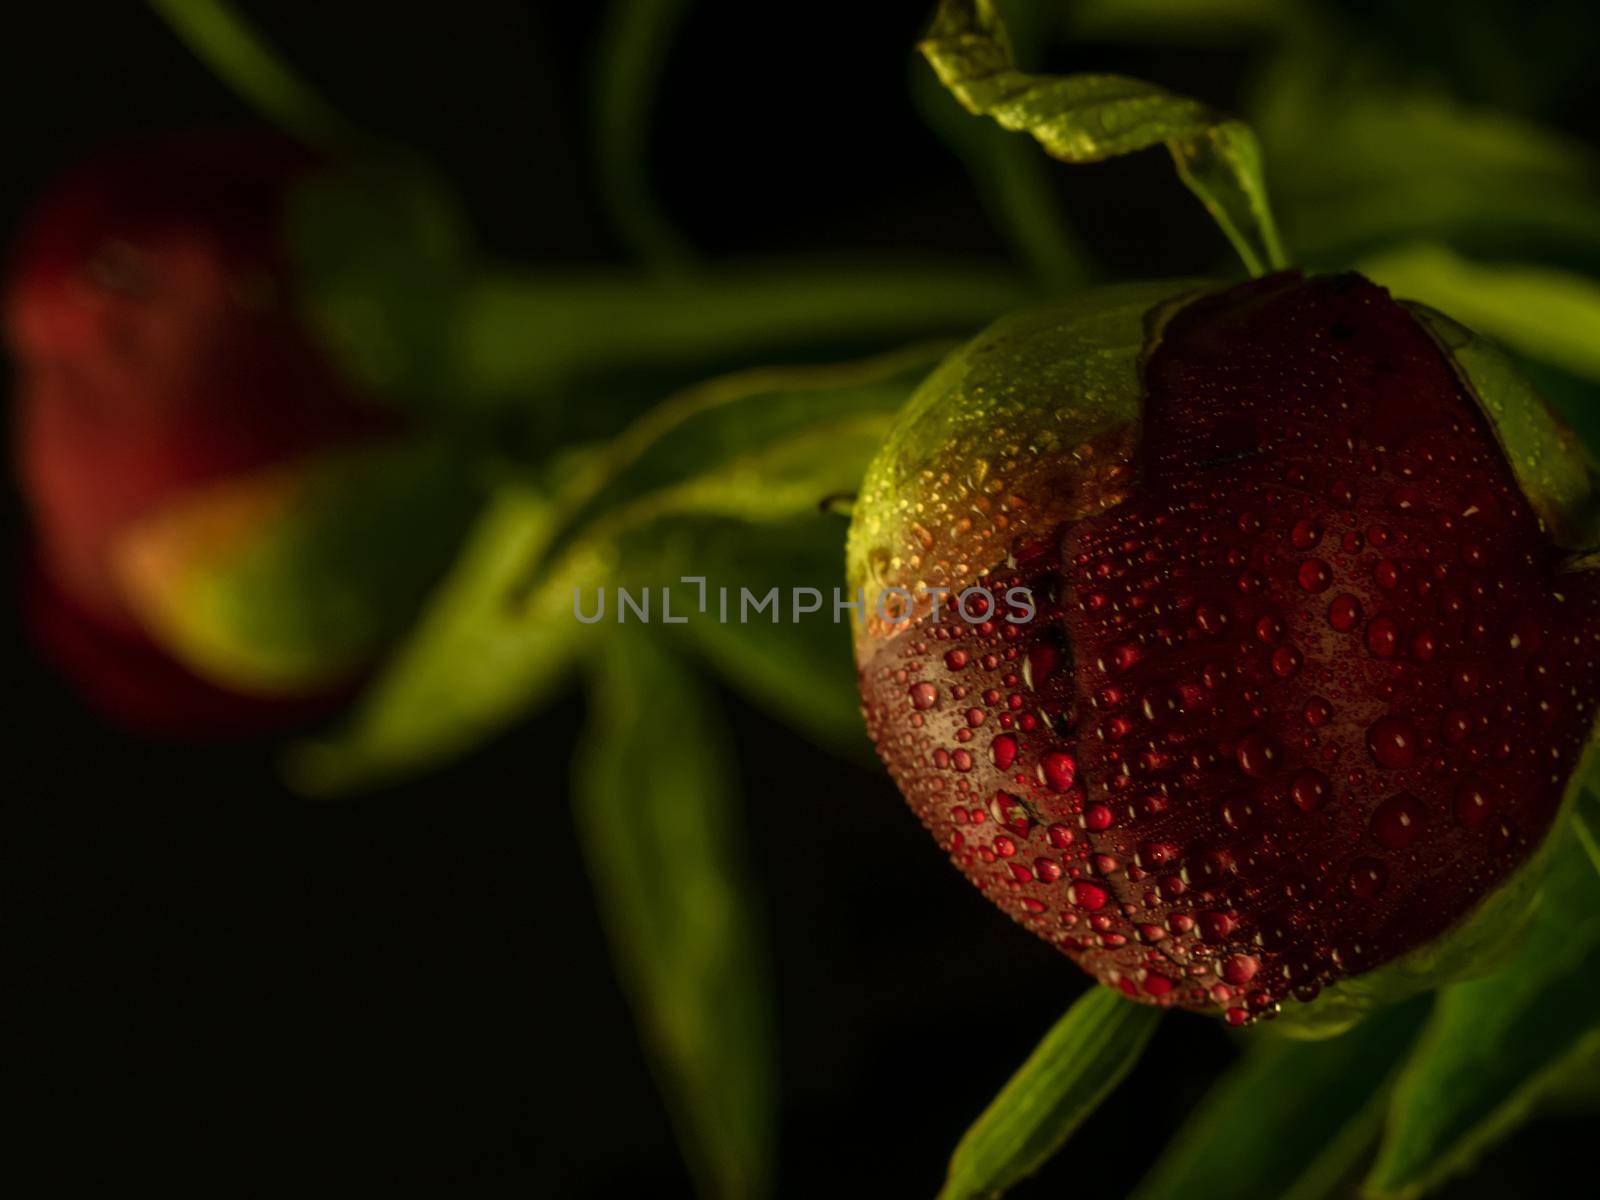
x=206, y=980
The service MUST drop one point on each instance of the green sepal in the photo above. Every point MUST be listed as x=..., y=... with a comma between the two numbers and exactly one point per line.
x=291, y=579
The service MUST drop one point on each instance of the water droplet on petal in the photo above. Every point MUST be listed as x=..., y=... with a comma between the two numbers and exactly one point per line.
x=1398, y=821
x=1057, y=770
x=1344, y=614
x=1393, y=742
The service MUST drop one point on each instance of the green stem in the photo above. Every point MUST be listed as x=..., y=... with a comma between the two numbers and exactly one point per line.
x=634, y=45
x=517, y=334
x=238, y=55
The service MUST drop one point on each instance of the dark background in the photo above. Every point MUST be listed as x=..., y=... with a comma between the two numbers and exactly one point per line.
x=207, y=980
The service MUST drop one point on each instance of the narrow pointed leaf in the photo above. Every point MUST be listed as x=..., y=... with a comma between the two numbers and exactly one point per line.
x=1086, y=118
x=794, y=661
x=1289, y=1118
x=500, y=632
x=657, y=813
x=469, y=666
x=765, y=444
x=1077, y=1065
x=1495, y=1047
x=1012, y=179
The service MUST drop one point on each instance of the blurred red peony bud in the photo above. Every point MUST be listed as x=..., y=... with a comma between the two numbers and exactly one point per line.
x=150, y=315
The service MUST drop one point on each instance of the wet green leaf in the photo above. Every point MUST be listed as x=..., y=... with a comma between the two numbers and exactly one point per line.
x=1495, y=1046
x=1082, y=1058
x=470, y=666
x=1086, y=118
x=289, y=579
x=1556, y=471
x=657, y=813
x=1290, y=1119
x=1011, y=178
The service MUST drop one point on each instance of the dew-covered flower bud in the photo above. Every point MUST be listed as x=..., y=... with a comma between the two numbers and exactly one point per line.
x=1316, y=652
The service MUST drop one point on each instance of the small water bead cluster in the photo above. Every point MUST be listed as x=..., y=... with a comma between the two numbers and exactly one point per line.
x=1292, y=708
x=975, y=721
x=1284, y=764
x=966, y=518
x=1002, y=463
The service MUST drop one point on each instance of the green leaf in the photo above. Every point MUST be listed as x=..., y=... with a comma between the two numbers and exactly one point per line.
x=1358, y=158
x=517, y=336
x=798, y=666
x=470, y=666
x=1574, y=1090
x=1086, y=118
x=634, y=42
x=290, y=579
x=1291, y=1118
x=1082, y=1058
x=238, y=55
x=1556, y=471
x=1495, y=1046
x=658, y=817
x=1543, y=312
x=1012, y=180
x=764, y=444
